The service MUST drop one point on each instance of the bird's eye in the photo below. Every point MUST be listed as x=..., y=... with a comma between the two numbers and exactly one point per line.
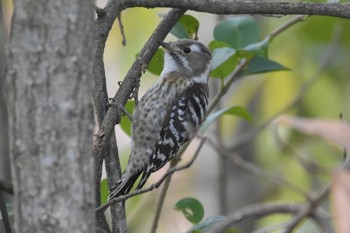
x=187, y=50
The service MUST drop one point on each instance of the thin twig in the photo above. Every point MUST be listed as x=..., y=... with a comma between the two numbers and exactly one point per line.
x=107, y=119
x=222, y=177
x=167, y=183
x=113, y=171
x=325, y=63
x=236, y=74
x=121, y=29
x=113, y=115
x=286, y=25
x=4, y=214
x=234, y=77
x=255, y=169
x=100, y=12
x=257, y=211
x=160, y=203
x=309, y=166
x=145, y=190
x=114, y=103
x=306, y=211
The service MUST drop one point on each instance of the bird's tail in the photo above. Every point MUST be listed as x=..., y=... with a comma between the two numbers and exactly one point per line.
x=144, y=178
x=123, y=186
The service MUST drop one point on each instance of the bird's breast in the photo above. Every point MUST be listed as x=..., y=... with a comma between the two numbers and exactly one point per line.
x=151, y=111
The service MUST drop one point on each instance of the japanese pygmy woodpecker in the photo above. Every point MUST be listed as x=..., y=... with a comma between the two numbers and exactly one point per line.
x=168, y=113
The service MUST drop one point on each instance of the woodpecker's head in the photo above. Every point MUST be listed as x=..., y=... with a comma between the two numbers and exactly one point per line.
x=187, y=57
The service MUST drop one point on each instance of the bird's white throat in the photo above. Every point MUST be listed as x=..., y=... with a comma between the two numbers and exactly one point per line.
x=170, y=64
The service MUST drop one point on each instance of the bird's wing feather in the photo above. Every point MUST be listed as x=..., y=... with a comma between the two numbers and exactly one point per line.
x=123, y=186
x=184, y=115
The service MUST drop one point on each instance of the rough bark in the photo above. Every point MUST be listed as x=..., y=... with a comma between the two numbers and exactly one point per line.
x=51, y=115
x=5, y=173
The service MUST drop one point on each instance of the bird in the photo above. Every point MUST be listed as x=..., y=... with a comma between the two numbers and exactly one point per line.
x=168, y=113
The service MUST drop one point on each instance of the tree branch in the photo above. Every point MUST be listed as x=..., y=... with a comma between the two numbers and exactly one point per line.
x=132, y=78
x=160, y=202
x=249, y=7
x=103, y=25
x=7, y=187
x=307, y=210
x=327, y=60
x=165, y=188
x=153, y=186
x=113, y=170
x=106, y=122
x=257, y=211
x=234, y=77
x=107, y=16
x=255, y=169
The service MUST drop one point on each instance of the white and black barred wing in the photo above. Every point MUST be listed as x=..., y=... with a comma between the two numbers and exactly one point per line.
x=185, y=114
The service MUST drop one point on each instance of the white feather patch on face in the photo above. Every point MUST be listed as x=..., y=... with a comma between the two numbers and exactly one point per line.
x=195, y=47
x=169, y=64
x=203, y=78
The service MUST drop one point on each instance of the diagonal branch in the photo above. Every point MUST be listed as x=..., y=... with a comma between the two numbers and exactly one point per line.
x=165, y=188
x=257, y=211
x=170, y=172
x=326, y=62
x=235, y=159
x=107, y=119
x=307, y=210
x=132, y=78
x=249, y=7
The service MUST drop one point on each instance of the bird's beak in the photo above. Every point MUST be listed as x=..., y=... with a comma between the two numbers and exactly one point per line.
x=165, y=45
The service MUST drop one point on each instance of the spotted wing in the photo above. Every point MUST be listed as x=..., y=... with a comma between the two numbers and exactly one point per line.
x=186, y=113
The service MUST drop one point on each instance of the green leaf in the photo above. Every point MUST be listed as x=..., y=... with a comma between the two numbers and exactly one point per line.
x=125, y=122
x=260, y=65
x=215, y=44
x=220, y=55
x=186, y=27
x=156, y=64
x=239, y=32
x=259, y=48
x=224, y=62
x=191, y=208
x=104, y=191
x=179, y=31
x=206, y=224
x=235, y=111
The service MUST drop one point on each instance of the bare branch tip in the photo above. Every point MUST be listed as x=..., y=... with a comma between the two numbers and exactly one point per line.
x=100, y=12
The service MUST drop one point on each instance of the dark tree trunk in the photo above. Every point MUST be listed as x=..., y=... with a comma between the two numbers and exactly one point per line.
x=51, y=116
x=5, y=173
